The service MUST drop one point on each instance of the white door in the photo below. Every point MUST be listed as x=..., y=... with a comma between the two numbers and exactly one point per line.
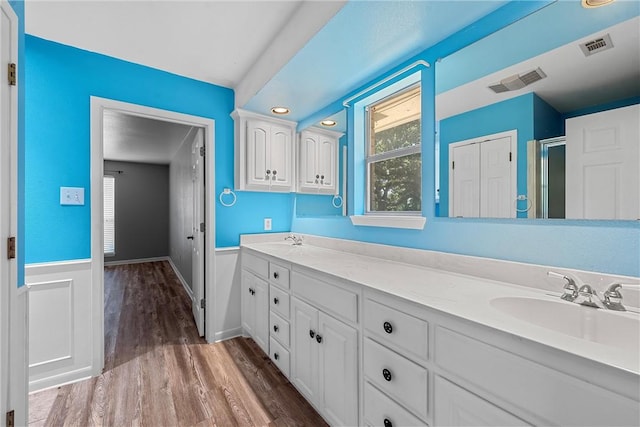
x=497, y=197
x=304, y=351
x=248, y=311
x=464, y=183
x=9, y=398
x=258, y=168
x=308, y=143
x=602, y=165
x=338, y=360
x=198, y=231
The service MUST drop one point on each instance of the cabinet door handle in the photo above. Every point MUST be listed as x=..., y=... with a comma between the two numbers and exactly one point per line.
x=251, y=291
x=275, y=328
x=386, y=374
x=276, y=275
x=276, y=301
x=319, y=339
x=387, y=327
x=317, y=176
x=189, y=237
x=268, y=172
x=387, y=422
x=276, y=356
x=322, y=176
x=275, y=172
x=312, y=333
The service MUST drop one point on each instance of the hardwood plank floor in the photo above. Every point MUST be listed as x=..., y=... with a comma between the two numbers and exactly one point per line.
x=159, y=372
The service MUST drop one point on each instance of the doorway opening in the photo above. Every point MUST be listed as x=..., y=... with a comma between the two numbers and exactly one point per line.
x=133, y=144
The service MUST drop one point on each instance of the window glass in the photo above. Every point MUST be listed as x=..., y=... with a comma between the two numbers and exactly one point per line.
x=109, y=187
x=394, y=160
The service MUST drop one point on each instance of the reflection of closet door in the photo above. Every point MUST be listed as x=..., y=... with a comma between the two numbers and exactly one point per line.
x=465, y=182
x=496, y=197
x=602, y=165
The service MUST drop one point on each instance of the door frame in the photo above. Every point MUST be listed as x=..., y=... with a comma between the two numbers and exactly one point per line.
x=98, y=105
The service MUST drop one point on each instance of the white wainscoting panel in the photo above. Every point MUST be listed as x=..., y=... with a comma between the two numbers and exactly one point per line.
x=60, y=323
x=227, y=294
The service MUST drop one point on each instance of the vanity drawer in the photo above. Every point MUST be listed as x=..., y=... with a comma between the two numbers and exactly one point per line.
x=378, y=408
x=279, y=275
x=330, y=298
x=258, y=265
x=405, y=381
x=280, y=356
x=279, y=301
x=397, y=329
x=279, y=329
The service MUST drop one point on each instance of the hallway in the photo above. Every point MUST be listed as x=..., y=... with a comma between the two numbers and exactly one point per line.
x=159, y=372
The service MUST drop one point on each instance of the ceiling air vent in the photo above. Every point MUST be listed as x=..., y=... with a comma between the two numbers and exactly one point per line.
x=518, y=81
x=596, y=45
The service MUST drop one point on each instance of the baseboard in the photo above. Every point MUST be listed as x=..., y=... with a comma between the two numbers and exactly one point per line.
x=186, y=287
x=136, y=261
x=61, y=379
x=228, y=334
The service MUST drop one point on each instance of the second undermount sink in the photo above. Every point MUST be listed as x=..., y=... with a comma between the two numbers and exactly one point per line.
x=604, y=327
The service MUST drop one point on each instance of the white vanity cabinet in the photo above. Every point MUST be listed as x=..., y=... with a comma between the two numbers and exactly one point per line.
x=324, y=353
x=263, y=152
x=318, y=161
x=255, y=308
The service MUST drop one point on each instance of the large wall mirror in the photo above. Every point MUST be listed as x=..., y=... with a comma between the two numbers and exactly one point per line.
x=542, y=118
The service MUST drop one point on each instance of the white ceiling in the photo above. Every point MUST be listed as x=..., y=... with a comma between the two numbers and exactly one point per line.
x=573, y=80
x=132, y=138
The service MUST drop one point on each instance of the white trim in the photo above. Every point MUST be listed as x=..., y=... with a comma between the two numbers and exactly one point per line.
x=228, y=249
x=61, y=379
x=56, y=267
x=391, y=221
x=98, y=105
x=185, y=285
x=228, y=334
x=137, y=261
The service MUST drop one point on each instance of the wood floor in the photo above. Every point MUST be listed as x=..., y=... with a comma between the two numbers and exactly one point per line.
x=158, y=372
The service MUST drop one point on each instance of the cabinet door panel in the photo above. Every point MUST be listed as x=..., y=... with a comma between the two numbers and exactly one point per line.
x=248, y=303
x=338, y=371
x=258, y=153
x=327, y=153
x=308, y=168
x=455, y=406
x=280, y=156
x=304, y=349
x=261, y=326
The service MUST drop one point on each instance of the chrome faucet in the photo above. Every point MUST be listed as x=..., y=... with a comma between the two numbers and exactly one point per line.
x=570, y=292
x=297, y=240
x=589, y=297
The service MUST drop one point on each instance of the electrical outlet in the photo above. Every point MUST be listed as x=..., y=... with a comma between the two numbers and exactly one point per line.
x=267, y=224
x=71, y=196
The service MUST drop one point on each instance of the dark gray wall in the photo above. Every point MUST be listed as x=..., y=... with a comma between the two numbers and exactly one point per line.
x=142, y=210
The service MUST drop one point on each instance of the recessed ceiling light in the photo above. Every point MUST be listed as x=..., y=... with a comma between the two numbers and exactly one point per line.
x=595, y=3
x=280, y=110
x=328, y=123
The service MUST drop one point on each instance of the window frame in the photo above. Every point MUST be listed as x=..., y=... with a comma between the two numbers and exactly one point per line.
x=104, y=219
x=391, y=154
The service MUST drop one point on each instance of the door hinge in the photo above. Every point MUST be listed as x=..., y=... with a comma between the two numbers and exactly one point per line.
x=11, y=418
x=202, y=151
x=203, y=227
x=11, y=247
x=202, y=303
x=509, y=155
x=453, y=165
x=11, y=74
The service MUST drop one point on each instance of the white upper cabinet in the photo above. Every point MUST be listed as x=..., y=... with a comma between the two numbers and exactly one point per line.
x=318, y=161
x=263, y=152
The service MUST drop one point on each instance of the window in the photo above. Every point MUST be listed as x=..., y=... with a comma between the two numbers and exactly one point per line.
x=109, y=191
x=393, y=158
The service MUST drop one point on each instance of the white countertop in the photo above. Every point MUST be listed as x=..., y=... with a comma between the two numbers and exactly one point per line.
x=459, y=295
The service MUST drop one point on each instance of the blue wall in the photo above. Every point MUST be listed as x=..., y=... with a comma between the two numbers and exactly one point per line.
x=60, y=81
x=605, y=246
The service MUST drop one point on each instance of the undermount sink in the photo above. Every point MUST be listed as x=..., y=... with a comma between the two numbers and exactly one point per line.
x=621, y=330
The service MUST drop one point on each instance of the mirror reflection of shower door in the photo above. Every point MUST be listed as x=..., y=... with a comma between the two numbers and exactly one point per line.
x=553, y=177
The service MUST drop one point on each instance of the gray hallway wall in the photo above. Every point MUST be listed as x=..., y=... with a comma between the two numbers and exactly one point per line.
x=142, y=210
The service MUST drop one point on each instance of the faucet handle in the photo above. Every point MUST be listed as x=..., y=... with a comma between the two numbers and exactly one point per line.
x=570, y=287
x=613, y=297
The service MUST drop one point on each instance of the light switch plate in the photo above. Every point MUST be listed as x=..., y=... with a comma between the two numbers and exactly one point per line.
x=267, y=224
x=71, y=196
